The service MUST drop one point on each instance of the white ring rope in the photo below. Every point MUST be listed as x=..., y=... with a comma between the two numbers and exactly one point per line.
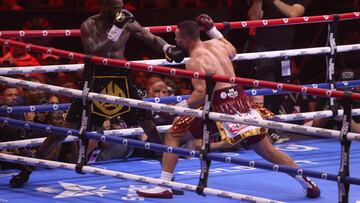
x=134, y=131
x=127, y=176
x=179, y=110
x=31, y=142
x=164, y=128
x=41, y=69
x=312, y=115
x=120, y=132
x=246, y=56
x=268, y=54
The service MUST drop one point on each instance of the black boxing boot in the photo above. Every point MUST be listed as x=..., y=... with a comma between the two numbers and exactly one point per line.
x=20, y=179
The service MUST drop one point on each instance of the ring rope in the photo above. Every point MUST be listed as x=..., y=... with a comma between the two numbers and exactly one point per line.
x=163, y=129
x=31, y=142
x=66, y=106
x=38, y=141
x=184, y=152
x=266, y=54
x=34, y=108
x=178, y=110
x=138, y=178
x=312, y=115
x=171, y=28
x=342, y=84
x=163, y=62
x=76, y=67
x=180, y=72
x=41, y=69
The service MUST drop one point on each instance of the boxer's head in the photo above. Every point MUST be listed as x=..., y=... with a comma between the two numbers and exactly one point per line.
x=186, y=33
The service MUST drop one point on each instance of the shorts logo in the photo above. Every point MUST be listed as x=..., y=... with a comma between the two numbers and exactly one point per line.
x=114, y=86
x=234, y=128
x=233, y=93
x=230, y=94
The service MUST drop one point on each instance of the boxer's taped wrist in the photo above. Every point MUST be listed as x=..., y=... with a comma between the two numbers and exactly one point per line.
x=114, y=33
x=165, y=47
x=183, y=103
x=214, y=33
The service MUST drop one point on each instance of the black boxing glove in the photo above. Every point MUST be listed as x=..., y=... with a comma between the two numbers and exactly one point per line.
x=122, y=17
x=205, y=21
x=173, y=53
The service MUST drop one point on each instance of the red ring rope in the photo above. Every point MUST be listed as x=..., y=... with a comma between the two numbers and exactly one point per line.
x=179, y=72
x=171, y=28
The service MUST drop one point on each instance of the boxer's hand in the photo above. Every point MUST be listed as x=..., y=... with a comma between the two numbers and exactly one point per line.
x=205, y=21
x=121, y=19
x=173, y=53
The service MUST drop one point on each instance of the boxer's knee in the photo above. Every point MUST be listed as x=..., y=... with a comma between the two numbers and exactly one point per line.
x=173, y=137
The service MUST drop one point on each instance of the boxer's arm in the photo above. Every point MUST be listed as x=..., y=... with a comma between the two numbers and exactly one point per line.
x=231, y=50
x=205, y=21
x=289, y=11
x=91, y=43
x=172, y=53
x=197, y=96
x=145, y=36
x=255, y=12
x=355, y=127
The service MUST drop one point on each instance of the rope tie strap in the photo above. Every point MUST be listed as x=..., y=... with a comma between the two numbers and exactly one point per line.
x=85, y=114
x=205, y=148
x=344, y=170
x=333, y=27
x=226, y=29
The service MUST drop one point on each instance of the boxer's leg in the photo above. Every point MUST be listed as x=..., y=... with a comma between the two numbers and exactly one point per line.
x=265, y=149
x=168, y=164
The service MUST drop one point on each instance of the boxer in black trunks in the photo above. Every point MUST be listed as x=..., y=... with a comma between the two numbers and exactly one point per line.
x=106, y=34
x=214, y=56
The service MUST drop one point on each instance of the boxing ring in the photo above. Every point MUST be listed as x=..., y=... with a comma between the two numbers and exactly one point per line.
x=319, y=154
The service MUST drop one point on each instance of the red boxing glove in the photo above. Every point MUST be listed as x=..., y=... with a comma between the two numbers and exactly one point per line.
x=205, y=21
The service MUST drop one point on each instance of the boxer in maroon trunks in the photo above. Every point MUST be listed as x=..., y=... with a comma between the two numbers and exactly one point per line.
x=214, y=56
x=231, y=100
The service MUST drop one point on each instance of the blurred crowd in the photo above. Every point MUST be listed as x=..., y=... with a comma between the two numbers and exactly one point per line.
x=149, y=85
x=133, y=5
x=95, y=5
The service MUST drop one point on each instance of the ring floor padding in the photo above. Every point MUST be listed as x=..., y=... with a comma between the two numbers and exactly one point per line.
x=57, y=185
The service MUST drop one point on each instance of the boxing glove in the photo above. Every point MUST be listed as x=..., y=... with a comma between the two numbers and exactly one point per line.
x=173, y=53
x=205, y=21
x=122, y=17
